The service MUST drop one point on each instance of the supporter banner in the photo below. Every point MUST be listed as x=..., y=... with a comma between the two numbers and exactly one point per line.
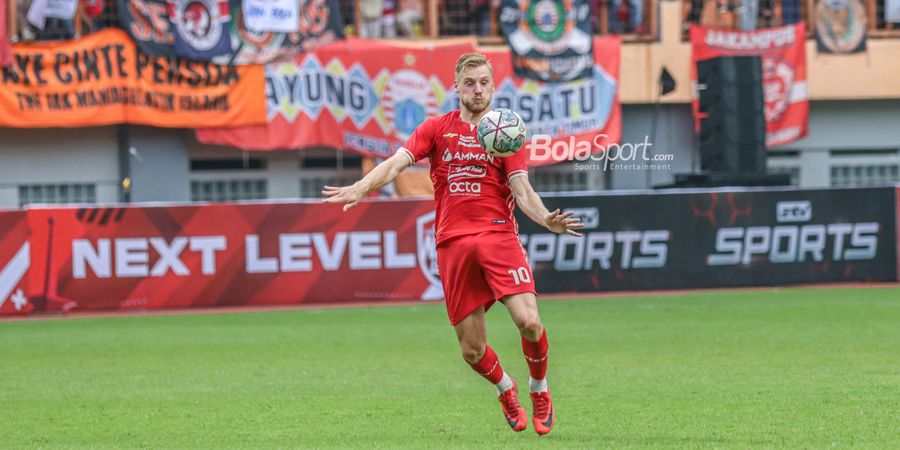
x=318, y=23
x=101, y=79
x=5, y=48
x=550, y=40
x=840, y=26
x=217, y=255
x=147, y=21
x=369, y=96
x=14, y=262
x=784, y=73
x=717, y=239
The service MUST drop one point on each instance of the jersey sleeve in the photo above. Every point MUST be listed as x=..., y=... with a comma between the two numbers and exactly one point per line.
x=516, y=165
x=421, y=143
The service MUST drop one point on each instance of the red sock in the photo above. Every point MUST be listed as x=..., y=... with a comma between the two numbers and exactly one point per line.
x=489, y=366
x=536, y=356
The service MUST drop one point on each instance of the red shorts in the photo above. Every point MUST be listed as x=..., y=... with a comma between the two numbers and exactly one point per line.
x=479, y=269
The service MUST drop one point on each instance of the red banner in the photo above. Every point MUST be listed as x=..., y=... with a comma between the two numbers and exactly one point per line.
x=217, y=255
x=783, y=53
x=14, y=262
x=5, y=47
x=369, y=97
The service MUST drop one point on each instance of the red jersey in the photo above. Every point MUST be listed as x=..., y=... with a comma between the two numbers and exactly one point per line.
x=471, y=187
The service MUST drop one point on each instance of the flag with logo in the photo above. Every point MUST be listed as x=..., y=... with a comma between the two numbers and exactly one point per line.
x=202, y=28
x=840, y=26
x=550, y=40
x=785, y=89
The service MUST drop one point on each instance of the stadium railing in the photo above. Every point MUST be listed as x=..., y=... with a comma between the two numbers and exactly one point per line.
x=727, y=14
x=452, y=18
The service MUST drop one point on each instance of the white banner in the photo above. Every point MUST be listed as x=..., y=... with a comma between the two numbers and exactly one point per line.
x=61, y=9
x=892, y=11
x=272, y=15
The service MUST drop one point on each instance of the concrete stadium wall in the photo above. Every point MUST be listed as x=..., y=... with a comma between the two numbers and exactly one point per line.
x=159, y=165
x=55, y=156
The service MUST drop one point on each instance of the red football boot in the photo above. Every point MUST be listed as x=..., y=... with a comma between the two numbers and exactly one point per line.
x=543, y=417
x=513, y=411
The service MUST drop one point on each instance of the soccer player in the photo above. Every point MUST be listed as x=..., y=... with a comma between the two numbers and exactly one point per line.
x=480, y=257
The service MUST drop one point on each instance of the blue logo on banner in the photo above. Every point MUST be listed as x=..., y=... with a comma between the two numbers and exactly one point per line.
x=409, y=114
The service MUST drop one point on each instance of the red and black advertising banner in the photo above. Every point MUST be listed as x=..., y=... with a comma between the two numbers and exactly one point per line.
x=783, y=54
x=137, y=258
x=218, y=255
x=369, y=96
x=14, y=263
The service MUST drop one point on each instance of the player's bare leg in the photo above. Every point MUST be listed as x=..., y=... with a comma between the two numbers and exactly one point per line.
x=524, y=312
x=472, y=335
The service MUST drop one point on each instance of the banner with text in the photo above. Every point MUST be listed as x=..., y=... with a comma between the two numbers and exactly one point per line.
x=120, y=258
x=102, y=79
x=217, y=255
x=783, y=53
x=676, y=240
x=369, y=97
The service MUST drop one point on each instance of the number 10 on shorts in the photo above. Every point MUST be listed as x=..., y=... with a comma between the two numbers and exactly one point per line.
x=520, y=275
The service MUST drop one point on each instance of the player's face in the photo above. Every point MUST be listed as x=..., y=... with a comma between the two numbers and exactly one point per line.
x=475, y=88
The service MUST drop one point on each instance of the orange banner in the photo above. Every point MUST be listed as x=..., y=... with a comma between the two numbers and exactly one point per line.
x=102, y=79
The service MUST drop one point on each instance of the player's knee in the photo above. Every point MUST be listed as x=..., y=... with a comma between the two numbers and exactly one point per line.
x=531, y=327
x=472, y=353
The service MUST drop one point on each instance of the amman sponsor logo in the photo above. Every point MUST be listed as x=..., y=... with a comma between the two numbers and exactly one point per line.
x=459, y=156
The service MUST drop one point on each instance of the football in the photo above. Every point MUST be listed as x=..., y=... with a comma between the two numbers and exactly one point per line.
x=501, y=132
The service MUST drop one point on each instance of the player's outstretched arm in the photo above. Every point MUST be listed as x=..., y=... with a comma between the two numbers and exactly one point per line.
x=534, y=208
x=381, y=175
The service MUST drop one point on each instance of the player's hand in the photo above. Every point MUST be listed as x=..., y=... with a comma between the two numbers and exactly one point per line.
x=563, y=223
x=349, y=195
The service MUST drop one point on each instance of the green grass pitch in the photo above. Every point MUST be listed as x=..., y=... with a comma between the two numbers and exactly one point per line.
x=774, y=368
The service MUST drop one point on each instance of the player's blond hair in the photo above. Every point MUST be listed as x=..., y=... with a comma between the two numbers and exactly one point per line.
x=471, y=61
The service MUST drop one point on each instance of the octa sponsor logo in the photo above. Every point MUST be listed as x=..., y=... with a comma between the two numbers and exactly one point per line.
x=465, y=187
